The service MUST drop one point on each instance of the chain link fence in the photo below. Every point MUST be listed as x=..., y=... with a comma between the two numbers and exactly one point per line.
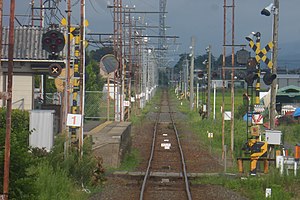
x=98, y=106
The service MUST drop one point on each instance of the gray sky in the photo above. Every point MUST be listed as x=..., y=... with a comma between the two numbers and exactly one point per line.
x=204, y=20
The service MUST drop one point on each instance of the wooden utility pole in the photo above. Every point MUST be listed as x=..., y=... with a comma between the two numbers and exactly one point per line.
x=1, y=29
x=9, y=100
x=192, y=74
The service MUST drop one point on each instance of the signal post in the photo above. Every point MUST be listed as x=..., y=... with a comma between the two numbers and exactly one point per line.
x=255, y=146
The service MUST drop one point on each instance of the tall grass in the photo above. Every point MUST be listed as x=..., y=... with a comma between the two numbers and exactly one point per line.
x=55, y=184
x=283, y=187
x=130, y=161
x=202, y=126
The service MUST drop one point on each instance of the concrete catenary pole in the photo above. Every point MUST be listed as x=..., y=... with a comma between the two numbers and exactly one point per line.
x=274, y=69
x=223, y=83
x=82, y=70
x=232, y=82
x=208, y=106
x=192, y=74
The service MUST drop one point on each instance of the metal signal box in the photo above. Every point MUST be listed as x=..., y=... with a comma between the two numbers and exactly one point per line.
x=273, y=137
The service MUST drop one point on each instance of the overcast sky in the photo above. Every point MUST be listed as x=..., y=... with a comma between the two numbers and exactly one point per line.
x=204, y=20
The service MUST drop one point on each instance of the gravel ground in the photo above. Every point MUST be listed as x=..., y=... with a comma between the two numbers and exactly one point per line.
x=197, y=157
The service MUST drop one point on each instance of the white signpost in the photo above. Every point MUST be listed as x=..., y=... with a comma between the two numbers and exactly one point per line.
x=74, y=120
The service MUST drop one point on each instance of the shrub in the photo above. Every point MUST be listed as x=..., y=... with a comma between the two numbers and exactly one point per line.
x=20, y=182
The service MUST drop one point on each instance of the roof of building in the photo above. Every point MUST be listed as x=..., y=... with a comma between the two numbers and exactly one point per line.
x=27, y=43
x=290, y=91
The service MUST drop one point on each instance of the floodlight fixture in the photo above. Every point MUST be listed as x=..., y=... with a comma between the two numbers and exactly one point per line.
x=267, y=10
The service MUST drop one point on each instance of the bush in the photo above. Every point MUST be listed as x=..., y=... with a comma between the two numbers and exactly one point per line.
x=20, y=182
x=77, y=167
x=55, y=184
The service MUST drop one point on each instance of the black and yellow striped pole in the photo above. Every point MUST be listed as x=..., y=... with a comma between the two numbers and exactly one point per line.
x=75, y=82
x=256, y=49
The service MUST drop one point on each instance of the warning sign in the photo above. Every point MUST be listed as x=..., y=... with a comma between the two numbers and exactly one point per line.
x=257, y=119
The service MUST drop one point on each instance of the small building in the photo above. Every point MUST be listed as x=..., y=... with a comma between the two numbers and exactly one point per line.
x=288, y=97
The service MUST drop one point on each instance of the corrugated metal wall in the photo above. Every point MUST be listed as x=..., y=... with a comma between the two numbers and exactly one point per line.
x=41, y=125
x=28, y=43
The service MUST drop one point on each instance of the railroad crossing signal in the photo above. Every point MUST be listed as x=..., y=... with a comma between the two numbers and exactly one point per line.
x=269, y=77
x=251, y=71
x=261, y=54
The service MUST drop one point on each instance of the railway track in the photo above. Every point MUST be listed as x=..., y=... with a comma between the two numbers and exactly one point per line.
x=167, y=159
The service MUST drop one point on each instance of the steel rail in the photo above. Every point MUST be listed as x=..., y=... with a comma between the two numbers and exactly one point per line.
x=187, y=186
x=150, y=158
x=147, y=174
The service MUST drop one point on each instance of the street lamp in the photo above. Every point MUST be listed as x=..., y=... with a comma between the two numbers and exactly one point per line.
x=273, y=7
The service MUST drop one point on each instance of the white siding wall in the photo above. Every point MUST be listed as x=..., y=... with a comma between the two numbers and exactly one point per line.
x=22, y=91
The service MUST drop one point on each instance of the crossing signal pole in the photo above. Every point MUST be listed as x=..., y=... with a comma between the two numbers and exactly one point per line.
x=255, y=146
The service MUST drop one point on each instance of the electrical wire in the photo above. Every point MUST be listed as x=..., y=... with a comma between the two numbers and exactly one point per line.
x=93, y=7
x=74, y=4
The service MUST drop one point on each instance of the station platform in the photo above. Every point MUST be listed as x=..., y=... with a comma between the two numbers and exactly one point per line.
x=111, y=141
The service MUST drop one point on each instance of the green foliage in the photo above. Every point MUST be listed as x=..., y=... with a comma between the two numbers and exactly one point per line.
x=37, y=174
x=98, y=54
x=130, y=161
x=290, y=133
x=137, y=119
x=94, y=104
x=283, y=187
x=55, y=184
x=202, y=126
x=80, y=169
x=93, y=82
x=21, y=183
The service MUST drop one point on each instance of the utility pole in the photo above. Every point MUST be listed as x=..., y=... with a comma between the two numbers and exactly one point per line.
x=232, y=82
x=232, y=45
x=66, y=96
x=186, y=75
x=192, y=73
x=223, y=82
x=274, y=69
x=82, y=71
x=118, y=51
x=208, y=106
x=9, y=99
x=162, y=33
x=1, y=28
